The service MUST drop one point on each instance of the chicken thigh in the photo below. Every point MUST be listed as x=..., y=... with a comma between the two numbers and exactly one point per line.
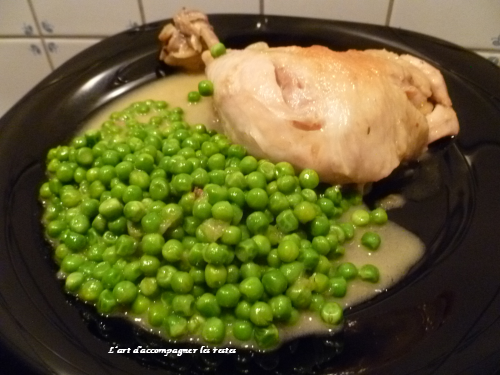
x=352, y=116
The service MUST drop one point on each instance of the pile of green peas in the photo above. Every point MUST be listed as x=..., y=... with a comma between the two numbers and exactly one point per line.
x=175, y=224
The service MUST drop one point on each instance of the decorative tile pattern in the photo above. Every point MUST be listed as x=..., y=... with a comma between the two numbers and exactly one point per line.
x=86, y=18
x=16, y=18
x=373, y=11
x=471, y=24
x=155, y=10
x=28, y=67
x=61, y=50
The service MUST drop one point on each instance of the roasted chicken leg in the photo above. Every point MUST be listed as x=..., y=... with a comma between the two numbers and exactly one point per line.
x=353, y=116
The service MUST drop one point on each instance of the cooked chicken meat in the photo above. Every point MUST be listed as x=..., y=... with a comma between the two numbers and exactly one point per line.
x=186, y=39
x=352, y=116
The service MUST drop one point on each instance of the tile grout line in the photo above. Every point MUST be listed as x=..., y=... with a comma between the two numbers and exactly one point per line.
x=40, y=35
x=62, y=36
x=261, y=7
x=389, y=12
x=141, y=11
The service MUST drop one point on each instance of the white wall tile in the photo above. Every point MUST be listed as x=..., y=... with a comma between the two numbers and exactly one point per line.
x=89, y=17
x=471, y=24
x=494, y=57
x=26, y=66
x=16, y=18
x=61, y=50
x=372, y=11
x=155, y=10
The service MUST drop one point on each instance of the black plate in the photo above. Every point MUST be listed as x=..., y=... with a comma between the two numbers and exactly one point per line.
x=444, y=318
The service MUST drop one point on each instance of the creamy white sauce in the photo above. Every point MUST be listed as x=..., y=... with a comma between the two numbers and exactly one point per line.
x=174, y=90
x=399, y=251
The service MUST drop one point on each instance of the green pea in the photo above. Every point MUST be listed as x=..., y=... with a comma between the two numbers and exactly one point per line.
x=371, y=240
x=195, y=323
x=305, y=212
x=194, y=97
x=159, y=188
x=90, y=290
x=228, y=295
x=246, y=250
x=252, y=289
x=164, y=276
x=319, y=282
x=286, y=221
x=183, y=305
x=106, y=302
x=257, y=199
x=149, y=265
x=139, y=178
x=257, y=222
x=202, y=209
x=337, y=287
x=177, y=326
x=151, y=222
x=215, y=275
x=216, y=162
x=70, y=197
x=206, y=88
x=84, y=157
x=213, y=330
x=152, y=243
x=74, y=281
x=250, y=269
x=370, y=273
x=274, y=282
x=141, y=304
x=331, y=313
x=222, y=211
x=292, y=271
x=182, y=183
x=348, y=229
x=248, y=164
x=242, y=330
x=242, y=310
x=309, y=179
x=208, y=306
x=236, y=151
x=198, y=276
x=181, y=282
x=360, y=217
x=65, y=172
x=288, y=251
x=334, y=194
x=75, y=241
x=125, y=292
x=132, y=193
x=111, y=209
x=157, y=314
x=317, y=302
x=309, y=257
x=300, y=295
x=217, y=50
x=347, y=270
x=378, y=216
x=261, y=314
x=281, y=307
x=100, y=269
x=215, y=254
x=231, y=235
x=172, y=250
x=266, y=337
